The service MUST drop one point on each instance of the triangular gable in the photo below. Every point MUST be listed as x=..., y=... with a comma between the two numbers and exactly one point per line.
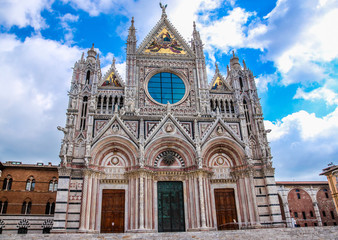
x=219, y=84
x=164, y=39
x=221, y=129
x=112, y=79
x=115, y=126
x=167, y=126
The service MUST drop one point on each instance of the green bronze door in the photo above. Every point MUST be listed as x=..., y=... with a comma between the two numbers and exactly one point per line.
x=170, y=207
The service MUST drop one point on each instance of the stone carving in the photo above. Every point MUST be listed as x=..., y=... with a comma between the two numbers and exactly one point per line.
x=48, y=223
x=92, y=103
x=2, y=224
x=70, y=149
x=64, y=130
x=169, y=128
x=115, y=160
x=115, y=127
x=23, y=223
x=169, y=158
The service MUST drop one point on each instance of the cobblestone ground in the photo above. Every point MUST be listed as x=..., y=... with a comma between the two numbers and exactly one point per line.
x=324, y=233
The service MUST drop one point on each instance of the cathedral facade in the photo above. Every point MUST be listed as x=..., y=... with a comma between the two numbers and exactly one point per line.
x=164, y=150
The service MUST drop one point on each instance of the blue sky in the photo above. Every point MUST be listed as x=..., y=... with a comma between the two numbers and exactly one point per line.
x=290, y=45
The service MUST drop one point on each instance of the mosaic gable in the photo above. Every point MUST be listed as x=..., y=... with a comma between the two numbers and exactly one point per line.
x=112, y=81
x=165, y=42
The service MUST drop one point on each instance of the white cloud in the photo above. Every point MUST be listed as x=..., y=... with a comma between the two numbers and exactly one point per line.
x=226, y=32
x=34, y=86
x=24, y=13
x=95, y=7
x=329, y=96
x=308, y=125
x=262, y=81
x=299, y=35
x=65, y=21
x=303, y=144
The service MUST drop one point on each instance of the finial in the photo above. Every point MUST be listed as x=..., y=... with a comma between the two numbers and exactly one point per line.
x=93, y=46
x=228, y=69
x=244, y=65
x=163, y=9
x=194, y=25
x=216, y=65
x=132, y=21
x=233, y=53
x=114, y=60
x=82, y=57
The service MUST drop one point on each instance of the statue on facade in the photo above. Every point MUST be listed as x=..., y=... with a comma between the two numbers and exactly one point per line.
x=92, y=103
x=70, y=149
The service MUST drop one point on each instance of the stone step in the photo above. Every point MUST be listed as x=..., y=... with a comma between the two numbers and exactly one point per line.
x=323, y=233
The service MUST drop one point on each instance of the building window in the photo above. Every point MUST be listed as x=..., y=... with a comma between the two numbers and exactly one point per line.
x=26, y=207
x=7, y=185
x=305, y=224
x=311, y=213
x=326, y=193
x=53, y=185
x=30, y=184
x=88, y=77
x=296, y=214
x=247, y=116
x=315, y=224
x=84, y=113
x=50, y=208
x=325, y=224
x=298, y=194
x=332, y=215
x=166, y=87
x=3, y=207
x=241, y=83
x=324, y=214
x=304, y=215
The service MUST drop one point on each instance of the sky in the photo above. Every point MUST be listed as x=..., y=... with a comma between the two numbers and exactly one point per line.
x=290, y=45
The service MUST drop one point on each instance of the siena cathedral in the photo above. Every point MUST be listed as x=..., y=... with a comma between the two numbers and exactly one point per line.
x=164, y=150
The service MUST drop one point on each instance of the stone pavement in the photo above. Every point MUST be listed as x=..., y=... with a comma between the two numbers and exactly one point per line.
x=324, y=233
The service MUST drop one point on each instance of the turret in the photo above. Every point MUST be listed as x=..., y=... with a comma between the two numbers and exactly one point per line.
x=234, y=63
x=131, y=41
x=91, y=54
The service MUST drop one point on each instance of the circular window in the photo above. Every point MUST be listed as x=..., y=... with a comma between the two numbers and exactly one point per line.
x=166, y=87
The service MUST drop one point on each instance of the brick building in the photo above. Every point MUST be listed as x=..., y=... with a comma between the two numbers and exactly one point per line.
x=308, y=203
x=27, y=196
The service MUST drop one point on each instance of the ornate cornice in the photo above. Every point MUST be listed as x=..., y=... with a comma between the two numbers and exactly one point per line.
x=114, y=181
x=229, y=180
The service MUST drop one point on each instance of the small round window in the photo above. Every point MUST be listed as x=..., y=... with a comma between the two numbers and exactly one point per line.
x=166, y=87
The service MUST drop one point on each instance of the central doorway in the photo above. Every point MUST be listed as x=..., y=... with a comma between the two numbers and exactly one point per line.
x=112, y=215
x=170, y=207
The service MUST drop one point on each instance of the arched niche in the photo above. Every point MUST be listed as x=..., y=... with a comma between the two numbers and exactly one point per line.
x=184, y=150
x=114, y=151
x=220, y=145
